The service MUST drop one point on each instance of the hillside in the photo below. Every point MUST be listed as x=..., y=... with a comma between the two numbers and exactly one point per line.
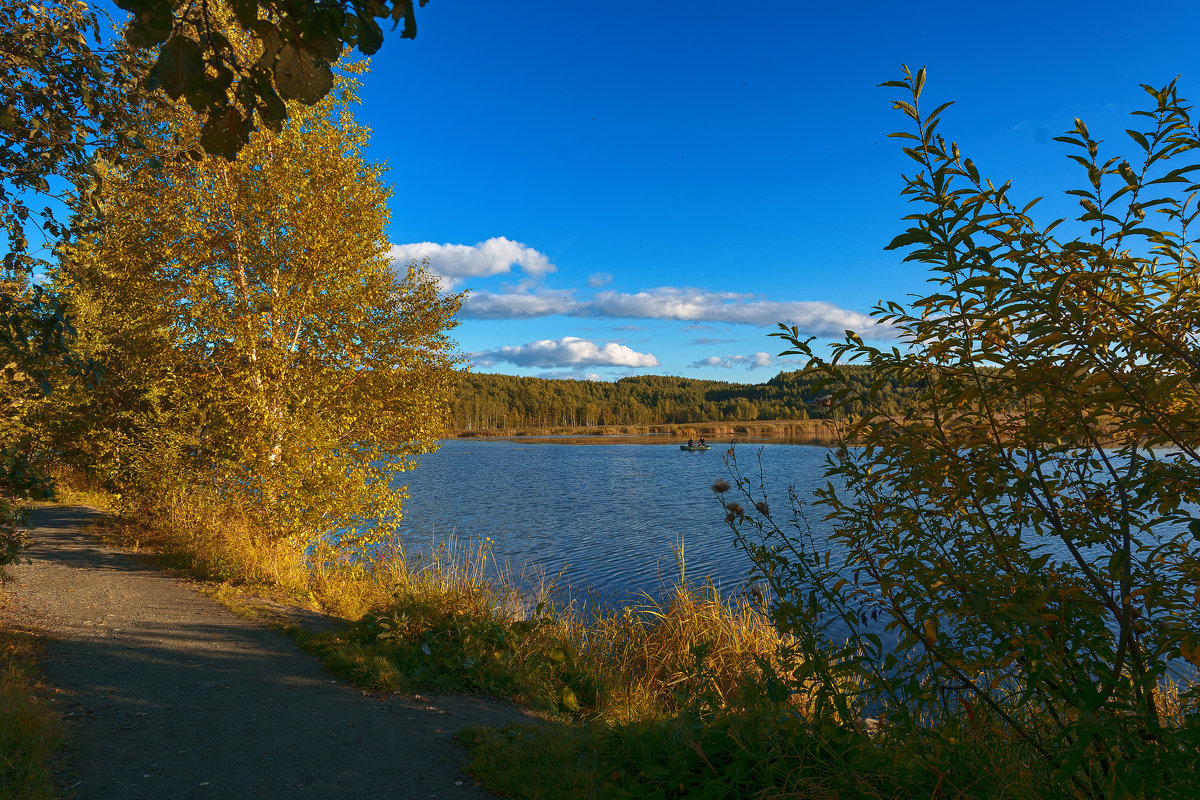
x=489, y=402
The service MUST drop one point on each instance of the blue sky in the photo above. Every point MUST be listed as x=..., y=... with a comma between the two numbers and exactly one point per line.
x=647, y=188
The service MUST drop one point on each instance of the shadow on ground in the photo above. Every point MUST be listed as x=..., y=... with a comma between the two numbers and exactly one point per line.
x=171, y=695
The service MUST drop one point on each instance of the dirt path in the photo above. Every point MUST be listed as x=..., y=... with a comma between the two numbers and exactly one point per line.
x=169, y=695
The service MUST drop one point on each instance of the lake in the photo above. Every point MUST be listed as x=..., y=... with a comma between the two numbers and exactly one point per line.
x=603, y=516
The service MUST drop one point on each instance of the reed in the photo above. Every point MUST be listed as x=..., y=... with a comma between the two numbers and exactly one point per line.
x=448, y=625
x=658, y=654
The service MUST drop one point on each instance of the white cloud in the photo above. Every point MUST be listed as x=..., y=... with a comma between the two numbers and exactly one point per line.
x=761, y=360
x=574, y=375
x=516, y=305
x=598, y=279
x=752, y=361
x=671, y=303
x=694, y=305
x=456, y=262
x=569, y=351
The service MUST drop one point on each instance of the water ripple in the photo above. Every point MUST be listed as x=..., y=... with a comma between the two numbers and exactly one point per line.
x=606, y=516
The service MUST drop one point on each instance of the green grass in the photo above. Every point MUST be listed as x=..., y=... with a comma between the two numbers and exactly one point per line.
x=724, y=756
x=536, y=762
x=461, y=645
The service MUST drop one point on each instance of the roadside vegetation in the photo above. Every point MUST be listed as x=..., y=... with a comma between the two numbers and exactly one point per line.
x=29, y=730
x=436, y=621
x=442, y=620
x=690, y=694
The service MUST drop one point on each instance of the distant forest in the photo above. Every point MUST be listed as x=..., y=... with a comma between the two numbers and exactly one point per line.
x=486, y=401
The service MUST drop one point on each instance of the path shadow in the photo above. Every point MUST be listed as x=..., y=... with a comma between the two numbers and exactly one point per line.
x=170, y=695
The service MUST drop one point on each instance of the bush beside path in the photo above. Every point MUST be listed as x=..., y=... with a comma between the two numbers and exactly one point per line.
x=168, y=694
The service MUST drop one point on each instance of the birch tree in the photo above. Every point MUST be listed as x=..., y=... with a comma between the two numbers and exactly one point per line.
x=255, y=334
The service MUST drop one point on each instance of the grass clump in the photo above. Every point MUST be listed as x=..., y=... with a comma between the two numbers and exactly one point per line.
x=639, y=662
x=658, y=654
x=29, y=730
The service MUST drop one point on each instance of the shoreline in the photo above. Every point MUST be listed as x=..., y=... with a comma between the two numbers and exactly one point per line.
x=718, y=433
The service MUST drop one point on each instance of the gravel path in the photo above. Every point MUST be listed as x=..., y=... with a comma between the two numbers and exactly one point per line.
x=169, y=695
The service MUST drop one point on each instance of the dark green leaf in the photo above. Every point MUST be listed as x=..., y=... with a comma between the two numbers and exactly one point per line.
x=149, y=28
x=937, y=111
x=246, y=12
x=299, y=75
x=180, y=66
x=271, y=109
x=370, y=36
x=225, y=133
x=912, y=236
x=1056, y=290
x=272, y=42
x=972, y=172
x=1139, y=138
x=327, y=47
x=404, y=9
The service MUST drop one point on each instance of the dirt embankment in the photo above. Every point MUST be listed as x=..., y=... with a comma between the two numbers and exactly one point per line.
x=169, y=695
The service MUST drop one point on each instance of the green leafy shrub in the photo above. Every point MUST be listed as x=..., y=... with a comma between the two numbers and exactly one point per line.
x=1017, y=553
x=12, y=534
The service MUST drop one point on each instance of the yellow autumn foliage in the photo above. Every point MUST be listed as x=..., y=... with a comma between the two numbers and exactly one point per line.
x=256, y=338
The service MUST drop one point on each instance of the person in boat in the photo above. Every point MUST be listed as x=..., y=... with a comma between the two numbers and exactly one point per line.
x=691, y=443
x=702, y=441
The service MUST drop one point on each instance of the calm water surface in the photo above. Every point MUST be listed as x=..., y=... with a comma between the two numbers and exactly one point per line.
x=605, y=516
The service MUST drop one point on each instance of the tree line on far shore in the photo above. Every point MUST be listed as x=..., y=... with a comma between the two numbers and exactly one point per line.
x=487, y=401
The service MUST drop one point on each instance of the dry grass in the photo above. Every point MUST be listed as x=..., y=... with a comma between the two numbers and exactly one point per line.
x=29, y=730
x=639, y=662
x=660, y=652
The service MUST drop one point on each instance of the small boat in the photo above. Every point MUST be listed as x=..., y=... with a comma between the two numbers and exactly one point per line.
x=695, y=447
